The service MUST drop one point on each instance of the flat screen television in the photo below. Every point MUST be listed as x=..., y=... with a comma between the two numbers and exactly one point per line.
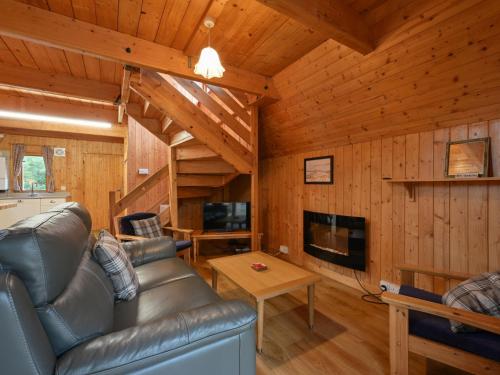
x=226, y=216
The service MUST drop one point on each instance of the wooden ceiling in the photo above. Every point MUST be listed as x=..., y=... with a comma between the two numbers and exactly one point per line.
x=436, y=65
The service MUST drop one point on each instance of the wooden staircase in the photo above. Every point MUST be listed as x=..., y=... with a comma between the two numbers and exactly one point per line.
x=211, y=132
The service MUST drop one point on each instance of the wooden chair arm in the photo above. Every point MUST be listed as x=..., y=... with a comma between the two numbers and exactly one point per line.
x=482, y=321
x=408, y=272
x=128, y=237
x=180, y=230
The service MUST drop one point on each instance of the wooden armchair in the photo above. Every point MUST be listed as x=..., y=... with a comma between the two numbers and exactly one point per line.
x=402, y=341
x=124, y=232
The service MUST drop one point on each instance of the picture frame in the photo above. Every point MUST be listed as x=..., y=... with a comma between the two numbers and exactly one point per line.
x=467, y=158
x=318, y=170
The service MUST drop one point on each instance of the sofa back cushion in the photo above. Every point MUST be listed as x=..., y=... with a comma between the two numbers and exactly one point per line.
x=83, y=311
x=45, y=250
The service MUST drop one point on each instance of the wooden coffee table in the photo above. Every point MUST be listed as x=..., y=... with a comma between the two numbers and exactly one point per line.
x=281, y=277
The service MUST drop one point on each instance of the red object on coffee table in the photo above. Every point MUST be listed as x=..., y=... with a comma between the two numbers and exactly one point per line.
x=259, y=266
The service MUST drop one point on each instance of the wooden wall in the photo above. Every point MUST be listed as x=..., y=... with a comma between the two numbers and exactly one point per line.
x=87, y=183
x=436, y=65
x=451, y=226
x=144, y=150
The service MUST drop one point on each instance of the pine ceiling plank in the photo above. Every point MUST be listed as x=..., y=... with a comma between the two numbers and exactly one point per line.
x=107, y=13
x=129, y=14
x=331, y=17
x=61, y=6
x=20, y=52
x=58, y=60
x=76, y=65
x=200, y=35
x=152, y=11
x=25, y=22
x=84, y=10
x=107, y=69
x=58, y=83
x=171, y=21
x=40, y=56
x=192, y=17
x=6, y=56
x=92, y=67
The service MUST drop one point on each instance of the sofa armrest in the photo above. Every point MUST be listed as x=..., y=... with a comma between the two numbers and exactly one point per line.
x=150, y=249
x=482, y=321
x=145, y=346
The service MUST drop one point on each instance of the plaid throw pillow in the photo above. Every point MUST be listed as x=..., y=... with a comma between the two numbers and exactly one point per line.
x=115, y=262
x=479, y=294
x=149, y=228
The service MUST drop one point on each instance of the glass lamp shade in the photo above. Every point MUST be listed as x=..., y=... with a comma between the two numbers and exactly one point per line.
x=209, y=65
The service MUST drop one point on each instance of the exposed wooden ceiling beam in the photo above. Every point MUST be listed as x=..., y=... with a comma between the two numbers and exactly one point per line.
x=333, y=18
x=41, y=106
x=57, y=83
x=124, y=92
x=164, y=96
x=26, y=22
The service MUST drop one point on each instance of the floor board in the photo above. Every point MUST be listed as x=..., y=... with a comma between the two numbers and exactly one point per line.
x=350, y=335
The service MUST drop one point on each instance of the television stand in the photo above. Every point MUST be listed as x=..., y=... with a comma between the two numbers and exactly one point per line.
x=199, y=235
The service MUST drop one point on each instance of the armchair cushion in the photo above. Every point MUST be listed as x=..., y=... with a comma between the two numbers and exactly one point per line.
x=125, y=225
x=182, y=244
x=114, y=260
x=149, y=228
x=431, y=327
x=479, y=294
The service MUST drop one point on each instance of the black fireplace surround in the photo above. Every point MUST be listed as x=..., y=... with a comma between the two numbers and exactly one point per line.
x=336, y=239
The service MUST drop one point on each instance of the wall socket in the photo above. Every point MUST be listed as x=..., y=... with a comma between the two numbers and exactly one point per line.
x=283, y=249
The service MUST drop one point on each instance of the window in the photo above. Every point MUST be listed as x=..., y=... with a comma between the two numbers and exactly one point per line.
x=34, y=173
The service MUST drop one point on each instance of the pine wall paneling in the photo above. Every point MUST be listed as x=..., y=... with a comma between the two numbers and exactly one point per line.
x=450, y=226
x=144, y=150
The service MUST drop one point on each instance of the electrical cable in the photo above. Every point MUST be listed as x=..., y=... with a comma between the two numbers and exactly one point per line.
x=366, y=297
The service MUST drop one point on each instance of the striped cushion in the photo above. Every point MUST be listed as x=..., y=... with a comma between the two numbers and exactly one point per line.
x=150, y=228
x=115, y=262
x=480, y=294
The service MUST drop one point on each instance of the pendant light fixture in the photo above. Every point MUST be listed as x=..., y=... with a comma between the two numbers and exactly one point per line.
x=209, y=65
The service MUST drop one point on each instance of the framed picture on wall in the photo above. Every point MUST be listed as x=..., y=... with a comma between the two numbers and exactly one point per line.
x=468, y=158
x=318, y=170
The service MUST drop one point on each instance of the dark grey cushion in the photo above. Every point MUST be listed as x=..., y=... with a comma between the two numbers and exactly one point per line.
x=161, y=272
x=176, y=296
x=45, y=251
x=83, y=311
x=148, y=250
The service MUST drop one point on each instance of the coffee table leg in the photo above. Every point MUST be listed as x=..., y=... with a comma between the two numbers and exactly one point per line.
x=214, y=279
x=310, y=296
x=260, y=325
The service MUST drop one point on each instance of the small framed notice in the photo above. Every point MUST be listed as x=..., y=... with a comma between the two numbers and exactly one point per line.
x=318, y=170
x=469, y=158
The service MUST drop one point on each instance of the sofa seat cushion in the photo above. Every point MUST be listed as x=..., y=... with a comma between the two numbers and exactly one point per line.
x=161, y=272
x=180, y=295
x=182, y=244
x=484, y=344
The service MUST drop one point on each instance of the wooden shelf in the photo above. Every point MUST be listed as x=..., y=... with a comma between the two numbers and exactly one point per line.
x=410, y=184
x=444, y=179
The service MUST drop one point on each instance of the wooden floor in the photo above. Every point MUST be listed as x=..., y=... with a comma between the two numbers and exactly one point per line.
x=350, y=335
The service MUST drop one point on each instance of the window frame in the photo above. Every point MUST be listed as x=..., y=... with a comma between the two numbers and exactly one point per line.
x=32, y=154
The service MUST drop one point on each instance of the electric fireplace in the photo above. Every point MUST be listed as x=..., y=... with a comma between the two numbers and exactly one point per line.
x=335, y=238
